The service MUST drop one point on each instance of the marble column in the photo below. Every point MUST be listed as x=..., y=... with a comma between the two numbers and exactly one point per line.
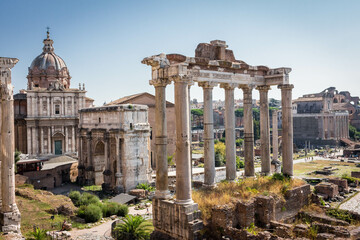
x=34, y=140
x=264, y=130
x=248, y=132
x=230, y=131
x=72, y=106
x=42, y=140
x=275, y=135
x=183, y=168
x=48, y=106
x=287, y=128
x=73, y=144
x=118, y=173
x=49, y=140
x=162, y=191
x=7, y=137
x=66, y=142
x=40, y=106
x=209, y=152
x=29, y=146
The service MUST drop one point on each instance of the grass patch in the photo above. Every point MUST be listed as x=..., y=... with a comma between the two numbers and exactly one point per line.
x=244, y=189
x=302, y=169
x=93, y=188
x=341, y=215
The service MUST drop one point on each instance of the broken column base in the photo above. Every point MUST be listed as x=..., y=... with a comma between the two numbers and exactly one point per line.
x=174, y=221
x=10, y=221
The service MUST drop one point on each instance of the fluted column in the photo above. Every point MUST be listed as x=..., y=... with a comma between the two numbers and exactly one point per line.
x=275, y=135
x=209, y=152
x=264, y=130
x=248, y=132
x=7, y=136
x=287, y=128
x=183, y=168
x=230, y=131
x=162, y=191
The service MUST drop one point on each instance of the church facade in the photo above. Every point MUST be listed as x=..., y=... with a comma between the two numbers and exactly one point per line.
x=52, y=107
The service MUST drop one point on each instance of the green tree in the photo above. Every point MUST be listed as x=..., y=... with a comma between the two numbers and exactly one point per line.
x=274, y=103
x=17, y=158
x=197, y=112
x=256, y=130
x=239, y=142
x=271, y=109
x=256, y=114
x=239, y=112
x=133, y=228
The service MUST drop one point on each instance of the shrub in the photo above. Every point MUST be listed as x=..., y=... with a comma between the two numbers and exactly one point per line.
x=38, y=234
x=239, y=142
x=112, y=208
x=340, y=214
x=133, y=227
x=349, y=179
x=123, y=210
x=219, y=159
x=170, y=160
x=278, y=177
x=239, y=163
x=200, y=165
x=87, y=199
x=75, y=197
x=92, y=213
x=145, y=186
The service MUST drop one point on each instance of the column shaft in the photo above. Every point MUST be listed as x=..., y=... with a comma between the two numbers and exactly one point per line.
x=209, y=153
x=49, y=140
x=275, y=135
x=287, y=128
x=161, y=142
x=8, y=146
x=248, y=133
x=264, y=130
x=183, y=171
x=230, y=133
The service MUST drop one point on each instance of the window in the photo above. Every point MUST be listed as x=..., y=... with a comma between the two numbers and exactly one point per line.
x=99, y=120
x=57, y=109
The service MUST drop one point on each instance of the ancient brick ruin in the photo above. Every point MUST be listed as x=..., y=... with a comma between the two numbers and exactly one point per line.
x=213, y=65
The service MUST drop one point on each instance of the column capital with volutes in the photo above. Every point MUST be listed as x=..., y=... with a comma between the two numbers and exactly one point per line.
x=160, y=82
x=182, y=79
x=286, y=86
x=263, y=88
x=246, y=88
x=207, y=84
x=229, y=86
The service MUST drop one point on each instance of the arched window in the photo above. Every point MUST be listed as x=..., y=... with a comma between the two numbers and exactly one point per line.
x=335, y=100
x=99, y=149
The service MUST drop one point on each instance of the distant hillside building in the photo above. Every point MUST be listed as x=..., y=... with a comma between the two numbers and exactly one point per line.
x=316, y=121
x=149, y=100
x=46, y=114
x=114, y=146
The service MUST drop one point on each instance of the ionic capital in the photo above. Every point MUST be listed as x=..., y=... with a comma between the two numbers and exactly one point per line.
x=160, y=82
x=7, y=63
x=286, y=87
x=182, y=79
x=207, y=84
x=229, y=86
x=263, y=88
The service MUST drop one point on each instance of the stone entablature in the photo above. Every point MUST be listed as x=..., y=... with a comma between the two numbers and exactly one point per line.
x=114, y=145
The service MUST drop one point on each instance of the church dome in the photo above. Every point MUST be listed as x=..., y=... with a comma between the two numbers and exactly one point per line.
x=46, y=60
x=48, y=68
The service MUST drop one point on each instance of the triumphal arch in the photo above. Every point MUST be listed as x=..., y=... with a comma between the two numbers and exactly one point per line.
x=9, y=213
x=213, y=65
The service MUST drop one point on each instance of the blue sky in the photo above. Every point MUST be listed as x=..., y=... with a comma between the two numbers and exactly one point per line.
x=103, y=42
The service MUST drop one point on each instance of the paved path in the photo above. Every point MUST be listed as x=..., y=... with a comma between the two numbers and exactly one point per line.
x=353, y=204
x=100, y=232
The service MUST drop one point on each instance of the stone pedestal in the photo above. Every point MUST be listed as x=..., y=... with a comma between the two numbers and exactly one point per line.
x=176, y=221
x=248, y=132
x=9, y=213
